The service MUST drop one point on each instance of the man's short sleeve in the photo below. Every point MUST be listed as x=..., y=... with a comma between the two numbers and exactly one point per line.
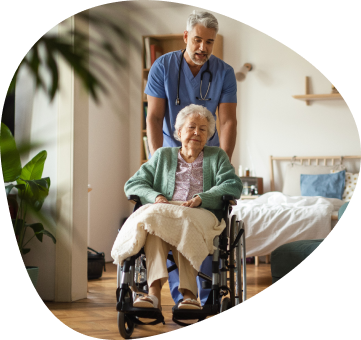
x=229, y=88
x=155, y=84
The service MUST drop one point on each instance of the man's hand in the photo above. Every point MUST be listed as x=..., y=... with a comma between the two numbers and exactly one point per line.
x=161, y=199
x=193, y=203
x=155, y=116
x=228, y=127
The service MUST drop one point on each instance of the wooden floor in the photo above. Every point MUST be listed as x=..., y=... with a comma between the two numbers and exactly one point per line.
x=96, y=315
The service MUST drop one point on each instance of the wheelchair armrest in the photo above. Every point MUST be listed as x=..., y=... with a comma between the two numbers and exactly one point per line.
x=134, y=199
x=230, y=199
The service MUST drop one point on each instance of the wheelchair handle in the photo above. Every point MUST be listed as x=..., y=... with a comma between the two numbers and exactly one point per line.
x=134, y=198
x=229, y=199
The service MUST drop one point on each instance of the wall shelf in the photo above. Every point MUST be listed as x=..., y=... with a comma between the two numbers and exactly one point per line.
x=308, y=97
x=330, y=96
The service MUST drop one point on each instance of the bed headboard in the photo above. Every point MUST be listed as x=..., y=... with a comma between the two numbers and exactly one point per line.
x=316, y=160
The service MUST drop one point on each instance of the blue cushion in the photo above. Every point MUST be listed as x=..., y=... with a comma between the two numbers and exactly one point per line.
x=326, y=185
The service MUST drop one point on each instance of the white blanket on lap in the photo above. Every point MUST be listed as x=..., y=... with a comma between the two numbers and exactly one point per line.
x=191, y=230
x=274, y=219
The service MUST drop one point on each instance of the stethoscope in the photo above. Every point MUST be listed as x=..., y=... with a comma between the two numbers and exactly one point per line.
x=177, y=101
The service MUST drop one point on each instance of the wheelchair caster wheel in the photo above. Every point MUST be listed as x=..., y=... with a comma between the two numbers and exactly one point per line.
x=225, y=304
x=125, y=326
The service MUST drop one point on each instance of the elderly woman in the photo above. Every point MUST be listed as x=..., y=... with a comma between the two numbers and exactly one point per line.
x=195, y=173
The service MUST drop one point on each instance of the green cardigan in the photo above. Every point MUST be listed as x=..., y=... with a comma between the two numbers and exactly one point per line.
x=157, y=177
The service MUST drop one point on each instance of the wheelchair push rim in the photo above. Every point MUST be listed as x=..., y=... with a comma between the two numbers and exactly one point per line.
x=240, y=270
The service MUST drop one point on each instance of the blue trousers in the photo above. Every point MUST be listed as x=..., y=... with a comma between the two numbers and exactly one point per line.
x=173, y=279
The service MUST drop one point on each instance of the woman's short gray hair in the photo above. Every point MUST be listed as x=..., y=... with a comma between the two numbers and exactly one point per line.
x=206, y=19
x=195, y=110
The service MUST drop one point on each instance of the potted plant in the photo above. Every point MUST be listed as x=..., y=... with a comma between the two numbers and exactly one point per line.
x=31, y=188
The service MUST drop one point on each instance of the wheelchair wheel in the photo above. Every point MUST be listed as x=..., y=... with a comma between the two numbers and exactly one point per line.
x=225, y=304
x=125, y=326
x=232, y=283
x=240, y=268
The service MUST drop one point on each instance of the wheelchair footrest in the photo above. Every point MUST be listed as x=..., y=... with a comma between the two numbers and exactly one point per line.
x=146, y=313
x=191, y=314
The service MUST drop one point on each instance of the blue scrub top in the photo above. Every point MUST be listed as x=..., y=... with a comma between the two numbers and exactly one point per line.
x=163, y=81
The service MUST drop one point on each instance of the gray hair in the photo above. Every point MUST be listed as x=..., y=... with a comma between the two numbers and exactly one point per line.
x=194, y=110
x=206, y=19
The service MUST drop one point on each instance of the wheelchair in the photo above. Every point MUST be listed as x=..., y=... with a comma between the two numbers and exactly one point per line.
x=227, y=284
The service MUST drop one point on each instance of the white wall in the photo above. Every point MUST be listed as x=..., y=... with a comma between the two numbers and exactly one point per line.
x=109, y=146
x=274, y=123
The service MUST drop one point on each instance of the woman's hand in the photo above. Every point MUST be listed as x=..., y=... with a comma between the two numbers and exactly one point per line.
x=161, y=199
x=193, y=203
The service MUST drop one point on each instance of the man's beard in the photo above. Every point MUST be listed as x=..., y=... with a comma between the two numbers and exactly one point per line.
x=198, y=62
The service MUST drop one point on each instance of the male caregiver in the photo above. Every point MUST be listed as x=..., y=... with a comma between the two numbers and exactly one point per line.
x=192, y=76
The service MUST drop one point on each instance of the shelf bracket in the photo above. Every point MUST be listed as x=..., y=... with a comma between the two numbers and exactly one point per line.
x=307, y=88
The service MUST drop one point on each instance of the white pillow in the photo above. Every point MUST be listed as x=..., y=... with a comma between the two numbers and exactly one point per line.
x=292, y=183
x=350, y=185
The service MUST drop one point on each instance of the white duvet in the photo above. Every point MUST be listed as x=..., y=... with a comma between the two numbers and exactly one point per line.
x=274, y=219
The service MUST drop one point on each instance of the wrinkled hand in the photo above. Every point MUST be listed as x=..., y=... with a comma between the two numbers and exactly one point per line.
x=193, y=203
x=161, y=199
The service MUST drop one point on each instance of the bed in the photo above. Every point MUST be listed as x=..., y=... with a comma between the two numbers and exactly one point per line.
x=284, y=215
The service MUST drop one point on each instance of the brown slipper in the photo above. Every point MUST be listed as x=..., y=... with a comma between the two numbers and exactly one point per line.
x=189, y=304
x=146, y=302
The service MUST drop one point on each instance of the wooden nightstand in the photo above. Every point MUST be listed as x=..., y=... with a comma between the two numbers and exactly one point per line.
x=256, y=181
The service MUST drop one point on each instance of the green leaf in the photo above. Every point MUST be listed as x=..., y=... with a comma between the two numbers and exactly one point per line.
x=10, y=158
x=34, y=168
x=47, y=233
x=25, y=251
x=37, y=228
x=36, y=192
x=39, y=231
x=9, y=187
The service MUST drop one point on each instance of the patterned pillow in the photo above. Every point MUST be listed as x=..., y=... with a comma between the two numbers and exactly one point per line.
x=350, y=185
